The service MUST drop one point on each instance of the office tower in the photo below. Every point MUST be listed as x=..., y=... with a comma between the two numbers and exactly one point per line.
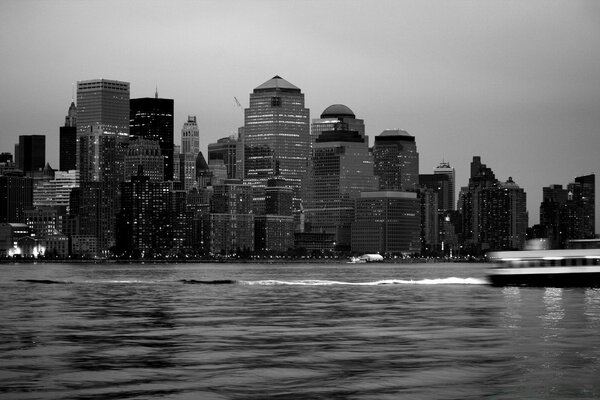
x=430, y=221
x=55, y=193
x=274, y=231
x=230, y=224
x=16, y=196
x=386, y=222
x=568, y=214
x=102, y=129
x=276, y=135
x=190, y=137
x=144, y=225
x=396, y=160
x=68, y=141
x=152, y=118
x=339, y=169
x=147, y=154
x=190, y=147
x=447, y=200
x=177, y=163
x=494, y=213
x=333, y=116
x=225, y=150
x=203, y=173
x=31, y=153
x=103, y=135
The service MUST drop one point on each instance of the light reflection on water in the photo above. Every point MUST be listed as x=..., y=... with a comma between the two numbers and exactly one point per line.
x=140, y=332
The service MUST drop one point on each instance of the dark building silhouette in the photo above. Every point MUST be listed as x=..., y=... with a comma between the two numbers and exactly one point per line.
x=152, y=118
x=16, y=197
x=568, y=213
x=396, y=160
x=68, y=141
x=31, y=153
x=6, y=158
x=494, y=213
x=225, y=150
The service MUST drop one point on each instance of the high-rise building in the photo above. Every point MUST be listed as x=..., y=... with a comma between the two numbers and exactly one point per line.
x=386, y=222
x=276, y=135
x=102, y=129
x=68, y=141
x=152, y=118
x=396, y=160
x=339, y=169
x=190, y=147
x=494, y=214
x=225, y=150
x=55, y=193
x=447, y=200
x=16, y=196
x=190, y=137
x=102, y=135
x=146, y=154
x=31, y=153
x=334, y=116
x=567, y=214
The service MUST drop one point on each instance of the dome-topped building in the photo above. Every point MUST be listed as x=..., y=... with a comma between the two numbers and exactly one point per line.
x=337, y=111
x=338, y=117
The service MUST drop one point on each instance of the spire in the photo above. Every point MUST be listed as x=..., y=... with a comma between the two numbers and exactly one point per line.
x=156, y=93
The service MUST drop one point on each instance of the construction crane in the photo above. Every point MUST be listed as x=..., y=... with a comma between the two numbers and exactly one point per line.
x=237, y=103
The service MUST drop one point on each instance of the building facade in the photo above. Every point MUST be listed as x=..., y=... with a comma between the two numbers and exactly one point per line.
x=68, y=141
x=151, y=118
x=396, y=160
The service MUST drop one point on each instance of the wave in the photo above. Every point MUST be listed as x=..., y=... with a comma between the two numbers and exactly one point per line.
x=212, y=282
x=313, y=282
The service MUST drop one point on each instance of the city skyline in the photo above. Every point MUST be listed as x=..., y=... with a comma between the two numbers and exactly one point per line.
x=516, y=83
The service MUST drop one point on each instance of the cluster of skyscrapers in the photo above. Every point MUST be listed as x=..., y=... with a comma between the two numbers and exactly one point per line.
x=283, y=184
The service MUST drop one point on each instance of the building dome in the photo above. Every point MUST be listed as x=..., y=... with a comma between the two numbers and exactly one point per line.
x=337, y=111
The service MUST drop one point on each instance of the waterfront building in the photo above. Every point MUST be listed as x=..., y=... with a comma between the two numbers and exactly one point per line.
x=274, y=231
x=276, y=136
x=151, y=118
x=68, y=141
x=494, y=213
x=42, y=221
x=225, y=150
x=386, y=222
x=230, y=224
x=568, y=213
x=148, y=155
x=339, y=169
x=331, y=118
x=31, y=153
x=396, y=160
x=10, y=234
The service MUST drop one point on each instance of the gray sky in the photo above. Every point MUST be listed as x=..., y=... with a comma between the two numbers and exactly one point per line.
x=516, y=82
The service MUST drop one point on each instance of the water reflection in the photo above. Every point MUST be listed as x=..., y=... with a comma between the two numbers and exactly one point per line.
x=511, y=317
x=553, y=302
x=592, y=307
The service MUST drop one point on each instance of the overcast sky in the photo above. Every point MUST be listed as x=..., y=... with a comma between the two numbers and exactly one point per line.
x=515, y=82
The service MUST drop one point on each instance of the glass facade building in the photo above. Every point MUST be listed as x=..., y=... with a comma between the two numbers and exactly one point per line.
x=396, y=160
x=276, y=134
x=152, y=119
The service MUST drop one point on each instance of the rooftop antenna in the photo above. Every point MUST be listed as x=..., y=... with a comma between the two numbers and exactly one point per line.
x=156, y=92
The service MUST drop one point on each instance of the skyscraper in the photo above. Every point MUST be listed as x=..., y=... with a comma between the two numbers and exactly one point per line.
x=190, y=147
x=31, y=153
x=339, y=169
x=447, y=200
x=276, y=134
x=225, y=150
x=68, y=141
x=396, y=160
x=152, y=118
x=102, y=135
x=102, y=129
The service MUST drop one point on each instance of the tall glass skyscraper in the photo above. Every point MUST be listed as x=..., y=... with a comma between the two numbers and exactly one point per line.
x=102, y=129
x=276, y=134
x=68, y=140
x=151, y=118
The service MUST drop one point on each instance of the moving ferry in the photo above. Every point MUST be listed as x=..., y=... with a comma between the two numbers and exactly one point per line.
x=575, y=267
x=366, y=258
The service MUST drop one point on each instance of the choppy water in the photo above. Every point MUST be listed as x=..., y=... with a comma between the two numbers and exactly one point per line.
x=291, y=331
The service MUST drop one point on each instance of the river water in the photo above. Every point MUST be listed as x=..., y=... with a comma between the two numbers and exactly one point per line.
x=291, y=331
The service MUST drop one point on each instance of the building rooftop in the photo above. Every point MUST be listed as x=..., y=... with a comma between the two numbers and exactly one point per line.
x=394, y=132
x=277, y=83
x=336, y=111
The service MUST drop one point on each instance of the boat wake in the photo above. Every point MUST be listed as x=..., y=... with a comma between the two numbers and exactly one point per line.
x=274, y=282
x=440, y=281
